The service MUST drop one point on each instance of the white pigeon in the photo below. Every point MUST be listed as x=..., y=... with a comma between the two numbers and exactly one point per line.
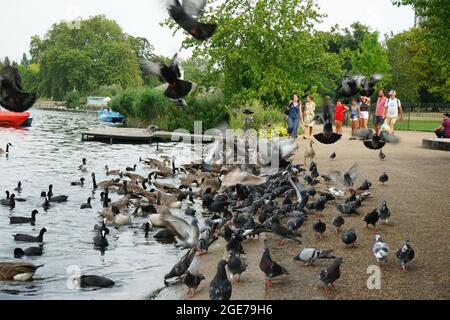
x=380, y=249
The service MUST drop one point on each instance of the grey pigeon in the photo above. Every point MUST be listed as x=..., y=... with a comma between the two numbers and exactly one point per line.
x=309, y=255
x=338, y=221
x=347, y=178
x=236, y=265
x=181, y=266
x=220, y=287
x=349, y=237
x=328, y=276
x=383, y=178
x=405, y=254
x=384, y=212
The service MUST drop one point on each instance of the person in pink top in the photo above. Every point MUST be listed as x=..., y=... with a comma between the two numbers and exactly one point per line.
x=380, y=111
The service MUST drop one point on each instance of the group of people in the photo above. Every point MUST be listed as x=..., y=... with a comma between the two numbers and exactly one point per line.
x=387, y=113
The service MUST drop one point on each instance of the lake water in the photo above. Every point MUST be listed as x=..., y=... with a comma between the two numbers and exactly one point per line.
x=49, y=153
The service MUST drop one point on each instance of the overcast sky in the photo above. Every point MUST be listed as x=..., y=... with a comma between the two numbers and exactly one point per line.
x=22, y=19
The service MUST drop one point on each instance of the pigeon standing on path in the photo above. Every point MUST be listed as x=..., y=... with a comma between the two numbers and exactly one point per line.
x=380, y=249
x=384, y=212
x=236, y=265
x=282, y=232
x=372, y=218
x=270, y=268
x=319, y=228
x=220, y=287
x=349, y=237
x=329, y=275
x=383, y=178
x=333, y=156
x=309, y=255
x=405, y=254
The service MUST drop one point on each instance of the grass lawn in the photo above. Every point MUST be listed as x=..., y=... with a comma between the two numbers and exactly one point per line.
x=418, y=125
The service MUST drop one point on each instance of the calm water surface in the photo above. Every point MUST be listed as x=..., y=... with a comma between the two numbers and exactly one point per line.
x=49, y=153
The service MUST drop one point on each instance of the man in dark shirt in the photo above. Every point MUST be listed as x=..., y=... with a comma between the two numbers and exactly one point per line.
x=444, y=130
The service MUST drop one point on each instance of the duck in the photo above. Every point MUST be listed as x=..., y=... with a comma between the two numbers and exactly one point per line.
x=6, y=202
x=78, y=183
x=131, y=169
x=100, y=240
x=17, y=271
x=83, y=166
x=46, y=204
x=19, y=220
x=11, y=202
x=6, y=151
x=58, y=199
x=30, y=238
x=29, y=252
x=19, y=187
x=50, y=191
x=15, y=198
x=112, y=172
x=310, y=153
x=95, y=281
x=86, y=205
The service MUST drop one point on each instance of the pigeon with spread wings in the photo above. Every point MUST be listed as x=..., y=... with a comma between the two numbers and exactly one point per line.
x=187, y=234
x=327, y=136
x=186, y=15
x=348, y=178
x=11, y=95
x=171, y=74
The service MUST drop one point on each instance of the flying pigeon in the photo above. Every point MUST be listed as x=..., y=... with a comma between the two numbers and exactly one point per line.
x=220, y=287
x=12, y=96
x=380, y=249
x=327, y=136
x=186, y=15
x=348, y=178
x=270, y=268
x=309, y=255
x=177, y=88
x=405, y=254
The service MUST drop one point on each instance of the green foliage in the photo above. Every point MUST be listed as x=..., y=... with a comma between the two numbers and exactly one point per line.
x=371, y=58
x=265, y=50
x=73, y=99
x=436, y=29
x=97, y=54
x=146, y=106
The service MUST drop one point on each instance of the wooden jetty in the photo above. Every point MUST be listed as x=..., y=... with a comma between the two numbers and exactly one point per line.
x=143, y=136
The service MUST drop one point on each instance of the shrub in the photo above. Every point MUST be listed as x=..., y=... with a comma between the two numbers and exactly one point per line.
x=73, y=99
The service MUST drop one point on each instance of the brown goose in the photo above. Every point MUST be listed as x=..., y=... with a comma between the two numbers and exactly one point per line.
x=17, y=271
x=111, y=172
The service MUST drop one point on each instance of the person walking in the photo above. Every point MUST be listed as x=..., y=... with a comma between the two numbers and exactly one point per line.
x=364, y=112
x=393, y=107
x=354, y=117
x=294, y=115
x=444, y=130
x=380, y=111
x=310, y=108
x=339, y=116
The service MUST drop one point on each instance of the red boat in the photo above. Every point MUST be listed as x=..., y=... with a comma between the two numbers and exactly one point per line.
x=13, y=119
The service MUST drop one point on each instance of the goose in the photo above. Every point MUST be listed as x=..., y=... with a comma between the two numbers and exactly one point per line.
x=19, y=220
x=154, y=163
x=104, y=184
x=29, y=238
x=83, y=166
x=102, y=226
x=158, y=150
x=134, y=177
x=187, y=234
x=58, y=199
x=19, y=187
x=50, y=191
x=131, y=169
x=7, y=149
x=111, y=172
x=78, y=183
x=6, y=202
x=29, y=252
x=17, y=271
x=95, y=281
x=86, y=205
x=120, y=218
x=310, y=153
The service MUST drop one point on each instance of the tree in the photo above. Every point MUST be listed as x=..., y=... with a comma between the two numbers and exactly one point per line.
x=6, y=62
x=24, y=60
x=265, y=50
x=97, y=54
x=371, y=58
x=436, y=28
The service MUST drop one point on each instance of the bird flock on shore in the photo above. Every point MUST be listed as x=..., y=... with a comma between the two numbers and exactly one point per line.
x=240, y=202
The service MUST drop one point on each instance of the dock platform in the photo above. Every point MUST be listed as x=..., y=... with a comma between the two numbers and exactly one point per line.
x=142, y=136
x=437, y=144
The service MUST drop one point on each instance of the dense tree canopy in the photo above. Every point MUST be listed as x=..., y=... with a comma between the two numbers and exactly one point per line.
x=83, y=59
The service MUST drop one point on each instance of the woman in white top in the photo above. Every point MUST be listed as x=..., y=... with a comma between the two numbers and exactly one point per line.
x=393, y=106
x=310, y=108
